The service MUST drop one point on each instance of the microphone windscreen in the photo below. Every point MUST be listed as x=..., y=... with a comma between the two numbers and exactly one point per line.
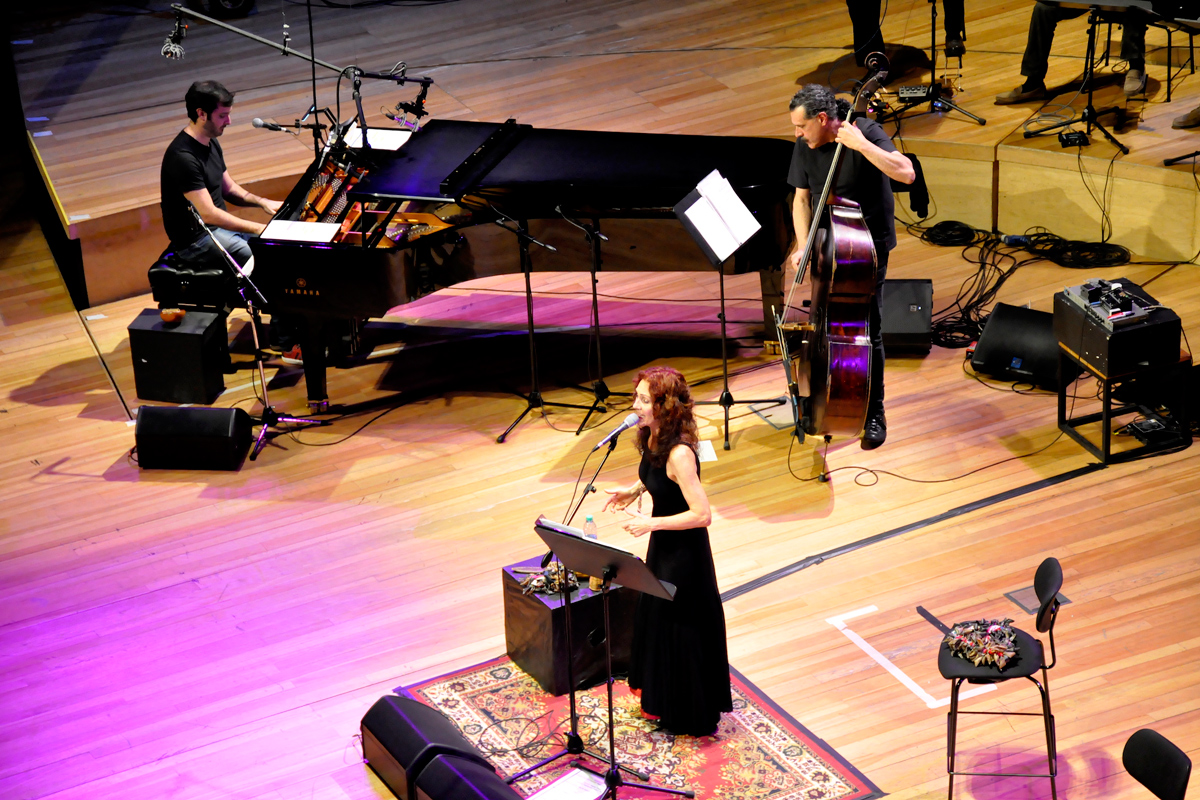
x=257, y=122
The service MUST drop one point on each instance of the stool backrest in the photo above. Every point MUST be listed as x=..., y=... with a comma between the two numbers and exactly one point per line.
x=1158, y=764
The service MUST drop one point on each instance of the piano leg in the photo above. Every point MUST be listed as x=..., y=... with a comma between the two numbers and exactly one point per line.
x=312, y=349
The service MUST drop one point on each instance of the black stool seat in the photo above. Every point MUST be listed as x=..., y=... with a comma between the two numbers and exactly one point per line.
x=1027, y=662
x=176, y=283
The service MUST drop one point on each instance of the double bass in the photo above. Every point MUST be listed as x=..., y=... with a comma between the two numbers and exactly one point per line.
x=828, y=359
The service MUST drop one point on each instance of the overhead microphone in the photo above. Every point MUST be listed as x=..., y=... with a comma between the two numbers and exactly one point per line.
x=628, y=423
x=173, y=45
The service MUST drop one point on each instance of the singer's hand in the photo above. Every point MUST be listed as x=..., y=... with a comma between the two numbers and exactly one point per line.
x=621, y=498
x=639, y=524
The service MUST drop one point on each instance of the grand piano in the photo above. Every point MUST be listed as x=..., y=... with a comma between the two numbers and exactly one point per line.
x=367, y=229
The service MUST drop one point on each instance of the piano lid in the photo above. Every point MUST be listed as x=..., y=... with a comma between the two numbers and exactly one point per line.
x=416, y=171
x=531, y=172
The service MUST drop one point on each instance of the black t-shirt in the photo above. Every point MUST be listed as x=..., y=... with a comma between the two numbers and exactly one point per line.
x=858, y=180
x=188, y=165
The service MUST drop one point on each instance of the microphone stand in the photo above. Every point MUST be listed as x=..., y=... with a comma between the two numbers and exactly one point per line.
x=252, y=297
x=574, y=744
x=936, y=94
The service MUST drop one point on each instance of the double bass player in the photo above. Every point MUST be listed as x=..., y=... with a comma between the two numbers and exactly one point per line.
x=869, y=160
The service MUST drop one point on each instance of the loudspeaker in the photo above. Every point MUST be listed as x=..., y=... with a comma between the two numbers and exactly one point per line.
x=419, y=754
x=182, y=362
x=1018, y=344
x=907, y=316
x=191, y=438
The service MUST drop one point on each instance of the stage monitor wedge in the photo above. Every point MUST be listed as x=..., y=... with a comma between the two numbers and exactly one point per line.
x=1018, y=344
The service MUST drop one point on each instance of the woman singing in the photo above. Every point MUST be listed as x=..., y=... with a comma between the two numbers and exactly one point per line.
x=680, y=662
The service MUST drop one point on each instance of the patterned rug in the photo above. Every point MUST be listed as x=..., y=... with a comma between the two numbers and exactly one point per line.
x=758, y=752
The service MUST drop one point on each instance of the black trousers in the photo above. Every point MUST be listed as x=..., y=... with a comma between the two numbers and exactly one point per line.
x=864, y=17
x=875, y=397
x=1045, y=19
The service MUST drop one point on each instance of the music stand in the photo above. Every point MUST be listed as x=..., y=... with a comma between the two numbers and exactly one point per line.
x=612, y=564
x=534, y=399
x=719, y=222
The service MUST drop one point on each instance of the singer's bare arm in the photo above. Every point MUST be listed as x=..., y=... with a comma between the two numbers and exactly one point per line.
x=235, y=194
x=681, y=468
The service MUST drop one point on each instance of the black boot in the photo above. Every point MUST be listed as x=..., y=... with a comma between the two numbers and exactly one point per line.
x=875, y=431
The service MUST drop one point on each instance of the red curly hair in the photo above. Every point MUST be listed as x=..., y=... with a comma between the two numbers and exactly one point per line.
x=672, y=403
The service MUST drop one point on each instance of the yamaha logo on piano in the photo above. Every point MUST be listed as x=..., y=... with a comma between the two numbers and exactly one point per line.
x=302, y=289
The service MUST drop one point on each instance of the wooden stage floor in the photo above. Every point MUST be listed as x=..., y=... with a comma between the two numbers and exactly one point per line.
x=214, y=635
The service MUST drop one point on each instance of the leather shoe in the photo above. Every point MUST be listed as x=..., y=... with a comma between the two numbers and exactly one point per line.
x=874, y=432
x=955, y=47
x=1135, y=82
x=1188, y=120
x=1020, y=95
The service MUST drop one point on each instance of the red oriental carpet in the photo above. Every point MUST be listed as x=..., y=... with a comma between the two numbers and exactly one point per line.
x=758, y=752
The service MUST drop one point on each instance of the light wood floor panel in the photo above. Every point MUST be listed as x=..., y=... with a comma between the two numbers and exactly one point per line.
x=215, y=635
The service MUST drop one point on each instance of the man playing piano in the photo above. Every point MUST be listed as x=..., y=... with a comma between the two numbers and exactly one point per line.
x=819, y=121
x=194, y=174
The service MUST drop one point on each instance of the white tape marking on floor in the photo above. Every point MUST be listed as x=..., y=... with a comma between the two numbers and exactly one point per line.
x=839, y=622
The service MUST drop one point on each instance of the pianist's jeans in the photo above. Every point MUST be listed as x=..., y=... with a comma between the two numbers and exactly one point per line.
x=284, y=330
x=205, y=252
x=1041, y=37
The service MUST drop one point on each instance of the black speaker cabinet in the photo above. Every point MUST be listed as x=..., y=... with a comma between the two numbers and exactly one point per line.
x=419, y=753
x=192, y=438
x=1018, y=344
x=179, y=363
x=907, y=316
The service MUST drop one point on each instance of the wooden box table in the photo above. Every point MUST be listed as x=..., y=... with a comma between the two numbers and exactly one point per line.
x=536, y=638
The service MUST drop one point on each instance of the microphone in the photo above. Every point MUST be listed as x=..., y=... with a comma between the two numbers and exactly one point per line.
x=173, y=45
x=629, y=422
x=271, y=126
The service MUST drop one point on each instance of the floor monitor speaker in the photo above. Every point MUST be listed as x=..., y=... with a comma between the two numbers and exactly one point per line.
x=1018, y=344
x=419, y=754
x=191, y=438
x=907, y=316
x=183, y=362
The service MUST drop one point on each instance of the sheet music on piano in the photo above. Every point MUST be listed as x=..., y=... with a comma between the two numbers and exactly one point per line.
x=378, y=138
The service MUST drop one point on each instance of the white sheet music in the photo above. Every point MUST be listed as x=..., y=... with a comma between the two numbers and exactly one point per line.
x=294, y=231
x=703, y=215
x=378, y=138
x=721, y=216
x=725, y=200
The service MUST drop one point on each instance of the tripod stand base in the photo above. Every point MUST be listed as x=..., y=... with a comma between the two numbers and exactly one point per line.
x=269, y=419
x=534, y=400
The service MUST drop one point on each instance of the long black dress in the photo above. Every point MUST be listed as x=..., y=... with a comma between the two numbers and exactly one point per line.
x=680, y=661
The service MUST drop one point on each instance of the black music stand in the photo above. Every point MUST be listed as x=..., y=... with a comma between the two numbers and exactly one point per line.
x=600, y=391
x=612, y=564
x=534, y=398
x=717, y=255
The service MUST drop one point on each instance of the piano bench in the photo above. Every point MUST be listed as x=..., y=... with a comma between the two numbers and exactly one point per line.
x=175, y=284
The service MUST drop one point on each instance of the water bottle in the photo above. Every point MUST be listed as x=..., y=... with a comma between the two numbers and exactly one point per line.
x=590, y=532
